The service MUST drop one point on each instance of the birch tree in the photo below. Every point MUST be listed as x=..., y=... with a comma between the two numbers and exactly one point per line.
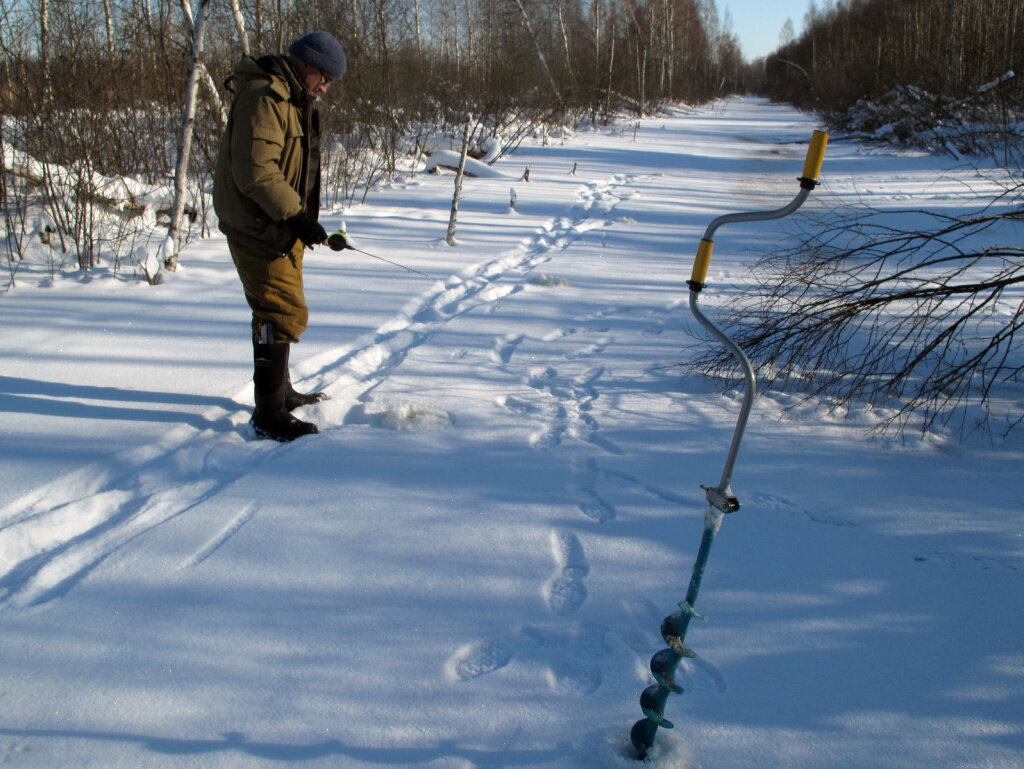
x=540, y=51
x=44, y=47
x=243, y=37
x=172, y=245
x=108, y=19
x=453, y=216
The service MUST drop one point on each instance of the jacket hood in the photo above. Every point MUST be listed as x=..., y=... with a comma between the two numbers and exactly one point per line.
x=272, y=67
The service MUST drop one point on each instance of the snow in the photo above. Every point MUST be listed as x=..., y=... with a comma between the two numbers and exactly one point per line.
x=467, y=568
x=450, y=159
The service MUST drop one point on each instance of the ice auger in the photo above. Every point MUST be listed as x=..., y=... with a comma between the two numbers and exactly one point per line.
x=721, y=499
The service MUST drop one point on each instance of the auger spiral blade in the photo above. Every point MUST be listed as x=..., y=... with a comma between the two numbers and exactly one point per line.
x=672, y=629
x=652, y=709
x=663, y=666
x=638, y=736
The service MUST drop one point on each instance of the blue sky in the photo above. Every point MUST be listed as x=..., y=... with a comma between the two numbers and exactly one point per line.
x=756, y=23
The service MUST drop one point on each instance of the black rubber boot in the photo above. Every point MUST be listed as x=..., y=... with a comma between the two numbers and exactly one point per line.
x=271, y=418
x=292, y=397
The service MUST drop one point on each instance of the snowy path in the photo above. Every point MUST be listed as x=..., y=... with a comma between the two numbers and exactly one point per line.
x=467, y=568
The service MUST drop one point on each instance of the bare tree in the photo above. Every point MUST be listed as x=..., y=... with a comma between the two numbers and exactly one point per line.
x=173, y=246
x=454, y=215
x=540, y=51
x=14, y=204
x=108, y=19
x=243, y=37
x=910, y=311
x=44, y=46
x=787, y=34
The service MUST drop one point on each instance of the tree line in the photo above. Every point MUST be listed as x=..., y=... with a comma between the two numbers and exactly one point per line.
x=106, y=78
x=861, y=49
x=100, y=89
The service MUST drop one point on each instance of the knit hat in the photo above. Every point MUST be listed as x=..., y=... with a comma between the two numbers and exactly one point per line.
x=321, y=50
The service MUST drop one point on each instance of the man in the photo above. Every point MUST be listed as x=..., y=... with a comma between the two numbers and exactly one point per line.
x=266, y=193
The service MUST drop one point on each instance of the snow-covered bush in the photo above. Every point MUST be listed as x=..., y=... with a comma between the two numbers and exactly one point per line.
x=910, y=116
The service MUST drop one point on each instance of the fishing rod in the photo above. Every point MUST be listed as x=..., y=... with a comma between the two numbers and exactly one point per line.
x=338, y=241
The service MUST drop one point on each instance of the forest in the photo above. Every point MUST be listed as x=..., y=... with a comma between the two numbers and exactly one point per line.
x=104, y=101
x=99, y=88
x=862, y=49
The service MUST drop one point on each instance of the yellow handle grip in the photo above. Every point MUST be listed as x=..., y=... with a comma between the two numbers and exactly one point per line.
x=815, y=156
x=702, y=262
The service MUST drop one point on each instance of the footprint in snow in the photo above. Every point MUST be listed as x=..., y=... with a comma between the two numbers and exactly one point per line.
x=505, y=346
x=565, y=592
x=483, y=657
x=584, y=486
x=590, y=350
x=698, y=676
x=569, y=661
x=478, y=659
x=576, y=667
x=783, y=505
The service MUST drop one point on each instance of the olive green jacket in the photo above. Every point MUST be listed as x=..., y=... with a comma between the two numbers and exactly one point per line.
x=268, y=166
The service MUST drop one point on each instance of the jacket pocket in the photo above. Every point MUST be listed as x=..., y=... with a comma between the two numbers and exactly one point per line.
x=274, y=238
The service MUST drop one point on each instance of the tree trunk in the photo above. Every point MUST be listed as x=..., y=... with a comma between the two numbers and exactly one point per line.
x=540, y=53
x=109, y=20
x=565, y=44
x=450, y=239
x=44, y=47
x=172, y=246
x=419, y=34
x=243, y=37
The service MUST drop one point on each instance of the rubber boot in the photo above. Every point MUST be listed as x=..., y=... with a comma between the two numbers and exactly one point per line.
x=271, y=418
x=292, y=397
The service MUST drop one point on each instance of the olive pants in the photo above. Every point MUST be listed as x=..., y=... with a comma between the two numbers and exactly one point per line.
x=274, y=290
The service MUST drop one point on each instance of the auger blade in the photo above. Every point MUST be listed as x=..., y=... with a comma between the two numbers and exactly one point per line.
x=672, y=629
x=638, y=736
x=663, y=666
x=649, y=705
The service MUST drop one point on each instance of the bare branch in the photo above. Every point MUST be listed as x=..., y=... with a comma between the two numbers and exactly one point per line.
x=914, y=311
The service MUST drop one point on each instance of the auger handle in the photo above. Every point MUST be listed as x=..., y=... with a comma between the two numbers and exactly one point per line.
x=701, y=263
x=808, y=181
x=815, y=157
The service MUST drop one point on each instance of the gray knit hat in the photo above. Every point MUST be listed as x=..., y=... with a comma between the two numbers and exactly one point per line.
x=321, y=50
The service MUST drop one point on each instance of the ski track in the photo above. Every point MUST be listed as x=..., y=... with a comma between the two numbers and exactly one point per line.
x=53, y=537
x=218, y=541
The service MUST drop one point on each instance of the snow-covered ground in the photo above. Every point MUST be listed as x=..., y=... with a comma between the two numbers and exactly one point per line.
x=467, y=568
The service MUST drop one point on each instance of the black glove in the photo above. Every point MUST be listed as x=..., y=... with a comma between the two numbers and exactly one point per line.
x=307, y=229
x=338, y=241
